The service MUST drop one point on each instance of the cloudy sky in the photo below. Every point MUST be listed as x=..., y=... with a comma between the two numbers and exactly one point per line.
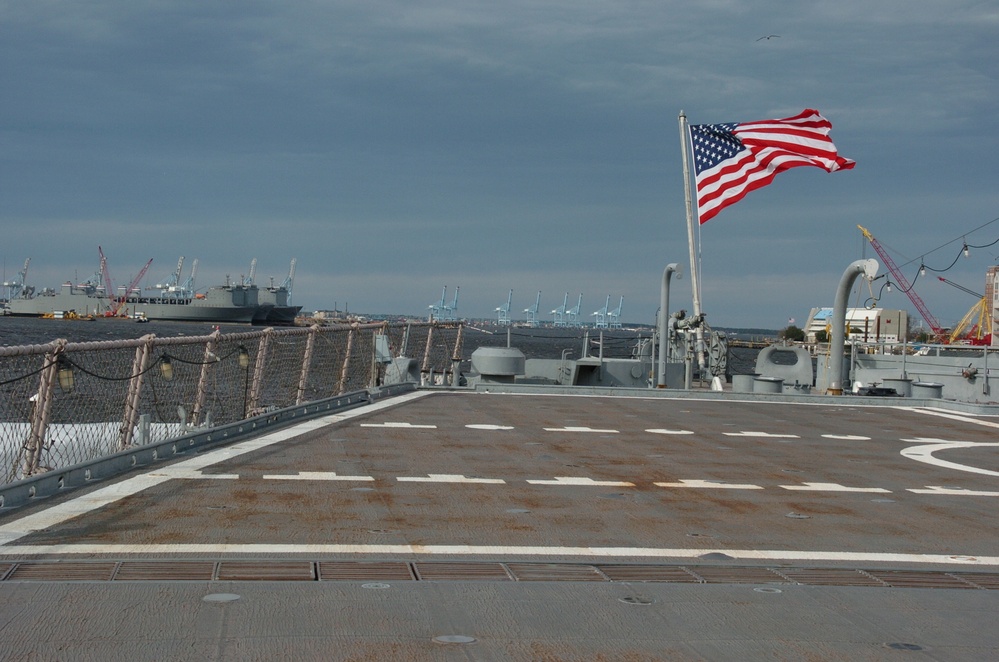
x=395, y=147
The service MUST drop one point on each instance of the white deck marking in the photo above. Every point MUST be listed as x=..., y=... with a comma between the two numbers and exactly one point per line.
x=951, y=491
x=761, y=435
x=665, y=554
x=402, y=424
x=834, y=487
x=846, y=437
x=488, y=426
x=191, y=474
x=573, y=480
x=579, y=429
x=86, y=503
x=665, y=431
x=924, y=453
x=954, y=417
x=449, y=478
x=711, y=484
x=316, y=475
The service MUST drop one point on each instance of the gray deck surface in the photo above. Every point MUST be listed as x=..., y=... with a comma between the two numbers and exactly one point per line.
x=573, y=528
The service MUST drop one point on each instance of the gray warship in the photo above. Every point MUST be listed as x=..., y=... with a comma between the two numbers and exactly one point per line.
x=174, y=300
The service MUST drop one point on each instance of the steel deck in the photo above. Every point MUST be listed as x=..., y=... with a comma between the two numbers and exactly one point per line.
x=466, y=525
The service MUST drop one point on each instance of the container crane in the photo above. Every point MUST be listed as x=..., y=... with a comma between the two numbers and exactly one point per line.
x=903, y=282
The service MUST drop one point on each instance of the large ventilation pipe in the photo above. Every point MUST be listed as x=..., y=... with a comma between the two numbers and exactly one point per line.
x=867, y=268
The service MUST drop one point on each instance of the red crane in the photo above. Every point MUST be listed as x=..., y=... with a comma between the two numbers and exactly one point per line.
x=941, y=335
x=118, y=303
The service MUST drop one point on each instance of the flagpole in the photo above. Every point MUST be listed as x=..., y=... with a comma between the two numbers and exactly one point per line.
x=695, y=273
x=695, y=281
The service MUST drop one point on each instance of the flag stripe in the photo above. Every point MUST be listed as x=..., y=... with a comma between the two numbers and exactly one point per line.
x=730, y=160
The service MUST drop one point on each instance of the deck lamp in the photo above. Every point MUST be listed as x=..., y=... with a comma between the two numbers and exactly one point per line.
x=64, y=373
x=243, y=357
x=922, y=269
x=967, y=253
x=166, y=368
x=888, y=286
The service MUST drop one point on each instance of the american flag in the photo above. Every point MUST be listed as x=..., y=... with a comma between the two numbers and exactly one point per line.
x=730, y=160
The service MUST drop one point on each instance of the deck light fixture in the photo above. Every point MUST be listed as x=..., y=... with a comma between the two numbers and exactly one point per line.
x=888, y=286
x=922, y=269
x=166, y=368
x=967, y=253
x=243, y=357
x=64, y=373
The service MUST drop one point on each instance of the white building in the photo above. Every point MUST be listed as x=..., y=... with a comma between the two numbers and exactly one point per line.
x=874, y=325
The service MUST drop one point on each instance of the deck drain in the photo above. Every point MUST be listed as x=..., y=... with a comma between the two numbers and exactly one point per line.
x=518, y=511
x=381, y=532
x=220, y=597
x=764, y=589
x=636, y=600
x=375, y=585
x=699, y=535
x=901, y=646
x=454, y=639
x=798, y=516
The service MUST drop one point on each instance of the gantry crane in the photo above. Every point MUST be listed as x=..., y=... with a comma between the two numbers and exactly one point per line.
x=978, y=317
x=903, y=282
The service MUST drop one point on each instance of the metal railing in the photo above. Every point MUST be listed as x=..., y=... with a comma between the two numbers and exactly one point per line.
x=63, y=403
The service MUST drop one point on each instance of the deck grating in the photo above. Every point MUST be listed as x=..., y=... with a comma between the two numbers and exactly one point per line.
x=137, y=571
x=649, y=573
x=461, y=571
x=365, y=571
x=916, y=579
x=737, y=575
x=65, y=571
x=267, y=571
x=829, y=577
x=381, y=571
x=555, y=572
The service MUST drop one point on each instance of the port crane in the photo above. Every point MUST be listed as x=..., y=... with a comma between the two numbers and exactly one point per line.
x=115, y=303
x=940, y=334
x=978, y=318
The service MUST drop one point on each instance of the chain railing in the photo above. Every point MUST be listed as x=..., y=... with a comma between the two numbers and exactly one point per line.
x=66, y=403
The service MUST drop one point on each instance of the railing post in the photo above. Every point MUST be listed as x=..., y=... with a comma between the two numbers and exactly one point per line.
x=258, y=372
x=425, y=367
x=456, y=358
x=40, y=412
x=341, y=385
x=303, y=378
x=134, y=391
x=208, y=362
